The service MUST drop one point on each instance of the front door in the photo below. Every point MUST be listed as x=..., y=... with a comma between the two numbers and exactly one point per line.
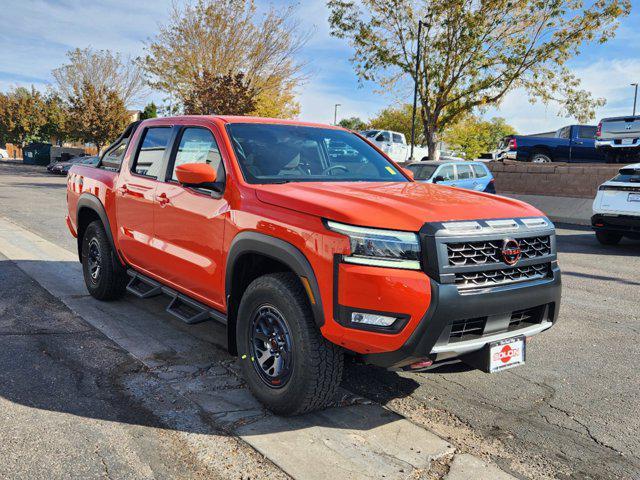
x=135, y=197
x=189, y=222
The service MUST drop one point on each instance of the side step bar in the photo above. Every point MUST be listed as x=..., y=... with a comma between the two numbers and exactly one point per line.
x=186, y=309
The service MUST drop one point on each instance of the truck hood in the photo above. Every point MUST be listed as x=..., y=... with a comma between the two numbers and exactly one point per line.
x=391, y=205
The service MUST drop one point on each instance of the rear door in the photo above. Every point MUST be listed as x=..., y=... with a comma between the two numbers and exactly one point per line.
x=135, y=197
x=466, y=178
x=561, y=147
x=482, y=177
x=190, y=222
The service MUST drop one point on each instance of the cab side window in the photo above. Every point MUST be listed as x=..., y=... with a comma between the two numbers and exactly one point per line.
x=447, y=173
x=464, y=172
x=197, y=145
x=148, y=161
x=479, y=171
x=397, y=138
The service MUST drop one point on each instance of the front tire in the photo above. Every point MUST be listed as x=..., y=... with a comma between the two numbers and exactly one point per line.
x=608, y=238
x=104, y=276
x=287, y=363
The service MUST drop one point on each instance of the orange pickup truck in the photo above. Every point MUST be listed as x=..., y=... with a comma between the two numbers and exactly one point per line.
x=309, y=243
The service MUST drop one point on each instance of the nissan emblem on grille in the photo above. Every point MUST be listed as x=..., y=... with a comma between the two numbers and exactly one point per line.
x=511, y=251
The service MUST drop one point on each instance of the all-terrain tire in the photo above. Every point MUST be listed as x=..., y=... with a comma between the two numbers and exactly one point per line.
x=608, y=238
x=317, y=364
x=104, y=275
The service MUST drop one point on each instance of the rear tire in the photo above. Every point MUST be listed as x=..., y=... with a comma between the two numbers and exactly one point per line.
x=611, y=157
x=608, y=238
x=104, y=276
x=276, y=329
x=539, y=157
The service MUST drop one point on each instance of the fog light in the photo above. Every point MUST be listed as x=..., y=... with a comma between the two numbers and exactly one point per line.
x=372, y=319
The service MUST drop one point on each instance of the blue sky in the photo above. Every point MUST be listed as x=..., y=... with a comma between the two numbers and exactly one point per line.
x=40, y=32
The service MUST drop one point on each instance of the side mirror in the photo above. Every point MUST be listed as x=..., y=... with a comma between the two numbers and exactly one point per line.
x=195, y=174
x=438, y=179
x=408, y=173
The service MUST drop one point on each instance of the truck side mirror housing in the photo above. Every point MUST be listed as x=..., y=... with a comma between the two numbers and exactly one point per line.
x=196, y=174
x=438, y=179
x=408, y=173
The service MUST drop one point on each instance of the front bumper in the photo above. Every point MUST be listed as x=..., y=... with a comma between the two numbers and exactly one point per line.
x=624, y=224
x=431, y=338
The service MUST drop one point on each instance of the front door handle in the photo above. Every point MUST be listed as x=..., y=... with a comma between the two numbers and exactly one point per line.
x=163, y=200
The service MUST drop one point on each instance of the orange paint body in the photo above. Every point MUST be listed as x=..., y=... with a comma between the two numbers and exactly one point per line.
x=181, y=236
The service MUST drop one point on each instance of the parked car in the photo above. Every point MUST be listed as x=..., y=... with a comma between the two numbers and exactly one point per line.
x=395, y=145
x=469, y=175
x=574, y=144
x=251, y=223
x=616, y=208
x=618, y=139
x=62, y=168
x=3, y=154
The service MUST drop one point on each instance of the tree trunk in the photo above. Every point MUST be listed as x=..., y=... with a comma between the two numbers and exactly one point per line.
x=432, y=144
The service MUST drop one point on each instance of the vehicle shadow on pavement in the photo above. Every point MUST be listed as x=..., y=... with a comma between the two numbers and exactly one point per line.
x=587, y=244
x=53, y=360
x=41, y=185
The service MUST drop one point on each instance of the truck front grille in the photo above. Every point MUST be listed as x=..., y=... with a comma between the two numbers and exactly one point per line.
x=526, y=317
x=467, y=329
x=491, y=278
x=487, y=252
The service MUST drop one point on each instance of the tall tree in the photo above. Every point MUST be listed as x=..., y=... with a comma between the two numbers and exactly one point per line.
x=102, y=69
x=473, y=135
x=353, y=123
x=474, y=53
x=96, y=114
x=220, y=94
x=22, y=116
x=397, y=119
x=213, y=38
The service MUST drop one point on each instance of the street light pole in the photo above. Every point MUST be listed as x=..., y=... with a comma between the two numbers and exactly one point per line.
x=335, y=113
x=415, y=92
x=635, y=98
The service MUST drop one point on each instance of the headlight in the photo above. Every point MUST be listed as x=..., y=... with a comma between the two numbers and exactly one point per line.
x=380, y=248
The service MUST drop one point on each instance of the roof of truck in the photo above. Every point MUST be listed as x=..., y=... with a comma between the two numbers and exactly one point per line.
x=241, y=119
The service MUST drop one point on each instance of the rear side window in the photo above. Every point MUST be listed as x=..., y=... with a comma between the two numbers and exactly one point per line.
x=397, y=138
x=113, y=158
x=447, y=173
x=197, y=145
x=587, y=132
x=148, y=162
x=464, y=172
x=479, y=170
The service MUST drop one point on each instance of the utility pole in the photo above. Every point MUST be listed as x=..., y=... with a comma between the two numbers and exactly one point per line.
x=415, y=89
x=635, y=97
x=335, y=113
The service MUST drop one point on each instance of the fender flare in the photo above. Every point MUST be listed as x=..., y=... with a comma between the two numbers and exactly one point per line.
x=280, y=250
x=93, y=203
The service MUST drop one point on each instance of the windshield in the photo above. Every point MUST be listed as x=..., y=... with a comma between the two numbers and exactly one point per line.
x=422, y=172
x=291, y=153
x=628, y=175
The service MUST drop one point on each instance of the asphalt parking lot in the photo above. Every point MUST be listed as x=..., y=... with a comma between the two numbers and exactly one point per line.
x=570, y=412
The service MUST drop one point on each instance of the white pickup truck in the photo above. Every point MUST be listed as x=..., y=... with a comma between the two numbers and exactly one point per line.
x=394, y=144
